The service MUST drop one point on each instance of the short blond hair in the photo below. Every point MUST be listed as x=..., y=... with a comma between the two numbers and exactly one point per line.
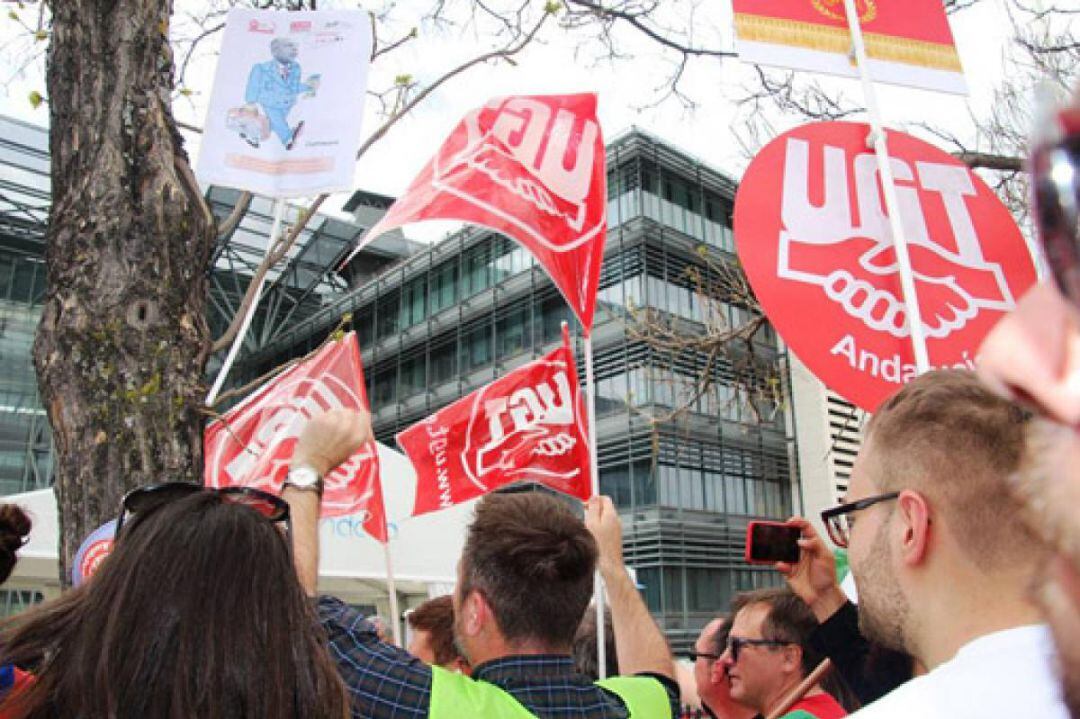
x=947, y=436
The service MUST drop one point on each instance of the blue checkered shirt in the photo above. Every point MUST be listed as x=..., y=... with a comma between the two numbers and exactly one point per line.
x=386, y=682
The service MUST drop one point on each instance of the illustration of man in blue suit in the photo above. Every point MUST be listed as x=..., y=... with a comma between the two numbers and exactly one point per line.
x=274, y=86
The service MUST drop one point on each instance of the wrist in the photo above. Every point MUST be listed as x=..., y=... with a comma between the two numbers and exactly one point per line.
x=828, y=602
x=304, y=477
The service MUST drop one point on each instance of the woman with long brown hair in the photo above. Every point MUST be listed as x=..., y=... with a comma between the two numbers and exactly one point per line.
x=196, y=613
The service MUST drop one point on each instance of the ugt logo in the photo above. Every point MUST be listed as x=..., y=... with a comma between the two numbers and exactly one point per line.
x=814, y=236
x=253, y=446
x=539, y=157
x=531, y=431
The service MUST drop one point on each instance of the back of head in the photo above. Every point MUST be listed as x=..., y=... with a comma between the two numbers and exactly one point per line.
x=436, y=617
x=197, y=612
x=533, y=561
x=586, y=659
x=947, y=436
x=14, y=528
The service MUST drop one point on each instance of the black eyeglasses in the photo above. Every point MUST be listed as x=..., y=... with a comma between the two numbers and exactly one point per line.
x=149, y=498
x=695, y=655
x=736, y=644
x=838, y=520
x=1055, y=191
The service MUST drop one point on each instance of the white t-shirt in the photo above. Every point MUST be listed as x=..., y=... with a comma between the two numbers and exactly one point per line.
x=1007, y=674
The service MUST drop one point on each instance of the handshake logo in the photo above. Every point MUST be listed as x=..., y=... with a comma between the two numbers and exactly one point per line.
x=854, y=262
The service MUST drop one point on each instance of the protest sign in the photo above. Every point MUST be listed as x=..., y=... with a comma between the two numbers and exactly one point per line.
x=287, y=103
x=251, y=444
x=908, y=43
x=813, y=236
x=532, y=168
x=526, y=426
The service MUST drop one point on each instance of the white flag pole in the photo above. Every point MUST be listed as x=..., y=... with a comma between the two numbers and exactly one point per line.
x=878, y=140
x=594, y=466
x=391, y=591
x=275, y=229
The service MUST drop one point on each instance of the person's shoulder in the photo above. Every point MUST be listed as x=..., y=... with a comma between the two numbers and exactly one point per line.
x=910, y=699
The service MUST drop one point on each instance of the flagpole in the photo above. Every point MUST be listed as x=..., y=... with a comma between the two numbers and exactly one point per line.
x=391, y=590
x=594, y=466
x=903, y=259
x=275, y=229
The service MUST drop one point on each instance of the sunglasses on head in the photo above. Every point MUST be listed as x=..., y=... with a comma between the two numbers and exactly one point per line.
x=151, y=497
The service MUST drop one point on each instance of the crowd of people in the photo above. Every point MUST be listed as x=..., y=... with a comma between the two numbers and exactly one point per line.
x=961, y=526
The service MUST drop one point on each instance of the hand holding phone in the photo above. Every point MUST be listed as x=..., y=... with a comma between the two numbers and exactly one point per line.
x=772, y=542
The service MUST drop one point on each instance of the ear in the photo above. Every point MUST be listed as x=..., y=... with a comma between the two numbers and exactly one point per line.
x=913, y=516
x=476, y=613
x=718, y=672
x=793, y=658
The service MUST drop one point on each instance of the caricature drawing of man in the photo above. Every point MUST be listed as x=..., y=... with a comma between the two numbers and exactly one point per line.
x=274, y=86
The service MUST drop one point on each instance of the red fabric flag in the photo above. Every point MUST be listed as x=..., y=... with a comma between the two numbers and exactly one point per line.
x=528, y=425
x=251, y=444
x=532, y=168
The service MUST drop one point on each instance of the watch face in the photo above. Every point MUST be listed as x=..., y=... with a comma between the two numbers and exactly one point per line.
x=303, y=477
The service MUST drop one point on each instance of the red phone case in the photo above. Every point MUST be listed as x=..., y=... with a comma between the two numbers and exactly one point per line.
x=749, y=539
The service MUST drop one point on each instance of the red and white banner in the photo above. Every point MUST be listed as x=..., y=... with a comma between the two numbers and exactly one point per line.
x=907, y=43
x=526, y=426
x=532, y=168
x=813, y=236
x=251, y=444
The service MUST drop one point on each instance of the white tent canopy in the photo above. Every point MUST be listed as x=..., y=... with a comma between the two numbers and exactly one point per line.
x=424, y=549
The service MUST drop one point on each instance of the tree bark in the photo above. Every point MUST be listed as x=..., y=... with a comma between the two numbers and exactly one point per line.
x=123, y=341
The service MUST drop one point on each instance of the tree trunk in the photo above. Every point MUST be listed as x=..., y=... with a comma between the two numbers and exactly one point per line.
x=123, y=342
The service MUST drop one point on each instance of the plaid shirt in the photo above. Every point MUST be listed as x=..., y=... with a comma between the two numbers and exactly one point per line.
x=386, y=682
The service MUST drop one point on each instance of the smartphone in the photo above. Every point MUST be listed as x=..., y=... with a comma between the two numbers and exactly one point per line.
x=769, y=542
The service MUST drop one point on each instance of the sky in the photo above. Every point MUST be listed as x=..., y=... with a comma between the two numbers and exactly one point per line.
x=560, y=65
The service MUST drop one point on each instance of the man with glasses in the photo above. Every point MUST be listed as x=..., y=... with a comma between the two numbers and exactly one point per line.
x=768, y=655
x=941, y=561
x=710, y=675
x=1034, y=355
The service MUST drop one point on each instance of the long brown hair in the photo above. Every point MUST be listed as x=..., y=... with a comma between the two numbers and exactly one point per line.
x=197, y=612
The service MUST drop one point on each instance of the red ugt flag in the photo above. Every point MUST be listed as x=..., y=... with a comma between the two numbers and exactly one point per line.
x=532, y=168
x=527, y=425
x=251, y=444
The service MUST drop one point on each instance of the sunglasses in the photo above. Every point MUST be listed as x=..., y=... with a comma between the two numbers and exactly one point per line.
x=146, y=499
x=735, y=645
x=1055, y=192
x=693, y=655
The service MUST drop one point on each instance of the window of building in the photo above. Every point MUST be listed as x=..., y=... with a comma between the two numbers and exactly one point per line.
x=13, y=601
x=476, y=349
x=443, y=364
x=444, y=281
x=512, y=332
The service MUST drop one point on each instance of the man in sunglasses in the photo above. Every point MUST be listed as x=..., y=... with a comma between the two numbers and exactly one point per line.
x=941, y=561
x=768, y=655
x=524, y=581
x=710, y=674
x=1033, y=355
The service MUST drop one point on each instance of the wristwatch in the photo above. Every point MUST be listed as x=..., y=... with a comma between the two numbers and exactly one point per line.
x=304, y=478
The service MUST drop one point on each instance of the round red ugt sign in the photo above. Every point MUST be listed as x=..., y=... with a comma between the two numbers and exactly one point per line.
x=813, y=236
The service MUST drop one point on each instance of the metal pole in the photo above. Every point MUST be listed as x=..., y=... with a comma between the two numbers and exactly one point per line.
x=878, y=140
x=598, y=585
x=391, y=590
x=275, y=229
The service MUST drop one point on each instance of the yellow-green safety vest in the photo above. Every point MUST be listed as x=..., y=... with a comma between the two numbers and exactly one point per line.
x=456, y=696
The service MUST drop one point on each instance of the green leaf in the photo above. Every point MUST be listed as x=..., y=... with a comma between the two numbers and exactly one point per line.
x=41, y=35
x=35, y=99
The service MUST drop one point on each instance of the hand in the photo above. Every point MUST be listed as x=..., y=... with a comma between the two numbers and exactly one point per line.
x=330, y=438
x=814, y=578
x=603, y=523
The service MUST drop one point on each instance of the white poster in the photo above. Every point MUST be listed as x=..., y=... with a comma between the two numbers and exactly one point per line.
x=287, y=104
